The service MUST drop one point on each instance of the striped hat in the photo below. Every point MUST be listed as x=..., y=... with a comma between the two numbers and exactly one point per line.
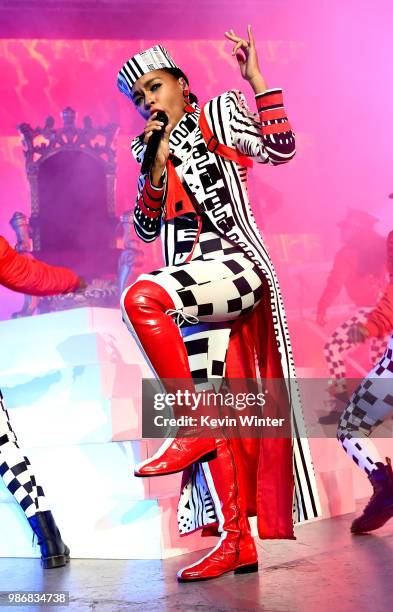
x=155, y=58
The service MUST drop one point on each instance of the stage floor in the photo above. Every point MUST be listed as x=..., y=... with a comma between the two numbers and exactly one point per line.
x=324, y=569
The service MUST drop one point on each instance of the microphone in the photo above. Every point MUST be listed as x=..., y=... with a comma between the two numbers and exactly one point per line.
x=153, y=144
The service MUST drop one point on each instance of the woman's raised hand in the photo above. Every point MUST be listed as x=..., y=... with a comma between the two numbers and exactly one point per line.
x=246, y=54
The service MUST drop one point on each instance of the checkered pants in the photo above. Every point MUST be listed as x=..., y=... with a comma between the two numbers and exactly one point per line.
x=210, y=292
x=369, y=406
x=15, y=469
x=338, y=345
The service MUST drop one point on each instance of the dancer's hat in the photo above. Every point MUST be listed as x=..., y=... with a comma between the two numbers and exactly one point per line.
x=358, y=218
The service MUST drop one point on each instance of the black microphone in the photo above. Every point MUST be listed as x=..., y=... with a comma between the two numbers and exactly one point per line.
x=153, y=144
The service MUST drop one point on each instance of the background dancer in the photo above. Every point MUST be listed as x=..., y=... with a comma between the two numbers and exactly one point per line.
x=369, y=406
x=26, y=275
x=359, y=267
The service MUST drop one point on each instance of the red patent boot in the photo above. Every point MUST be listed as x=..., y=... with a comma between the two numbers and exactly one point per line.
x=145, y=305
x=236, y=549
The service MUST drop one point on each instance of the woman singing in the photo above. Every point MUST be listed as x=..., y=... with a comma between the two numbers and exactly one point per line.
x=219, y=286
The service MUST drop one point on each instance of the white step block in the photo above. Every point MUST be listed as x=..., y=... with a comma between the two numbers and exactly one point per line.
x=79, y=383
x=60, y=339
x=99, y=505
x=16, y=536
x=102, y=510
x=91, y=473
x=126, y=529
x=123, y=530
x=87, y=474
x=92, y=403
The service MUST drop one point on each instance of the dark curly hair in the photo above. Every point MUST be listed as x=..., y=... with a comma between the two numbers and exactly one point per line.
x=179, y=74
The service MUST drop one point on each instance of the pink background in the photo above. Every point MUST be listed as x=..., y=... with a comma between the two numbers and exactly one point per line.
x=333, y=61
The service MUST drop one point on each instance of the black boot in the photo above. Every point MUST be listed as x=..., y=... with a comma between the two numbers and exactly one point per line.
x=380, y=507
x=333, y=417
x=54, y=553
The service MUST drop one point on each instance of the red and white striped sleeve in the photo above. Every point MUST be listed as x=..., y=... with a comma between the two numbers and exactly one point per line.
x=267, y=136
x=149, y=199
x=148, y=209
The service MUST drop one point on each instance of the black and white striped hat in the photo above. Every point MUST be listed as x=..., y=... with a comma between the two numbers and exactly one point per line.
x=155, y=58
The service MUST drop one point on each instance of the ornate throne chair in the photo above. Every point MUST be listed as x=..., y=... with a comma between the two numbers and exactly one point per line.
x=71, y=171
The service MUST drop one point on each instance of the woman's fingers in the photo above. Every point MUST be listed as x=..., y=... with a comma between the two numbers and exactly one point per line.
x=235, y=38
x=167, y=132
x=250, y=36
x=232, y=36
x=240, y=45
x=152, y=123
x=149, y=132
x=149, y=129
x=152, y=119
x=147, y=137
x=228, y=34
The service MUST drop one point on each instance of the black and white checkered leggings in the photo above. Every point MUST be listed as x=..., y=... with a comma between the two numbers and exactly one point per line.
x=339, y=345
x=369, y=406
x=15, y=469
x=210, y=292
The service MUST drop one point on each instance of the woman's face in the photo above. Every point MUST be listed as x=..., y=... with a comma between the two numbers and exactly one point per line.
x=159, y=90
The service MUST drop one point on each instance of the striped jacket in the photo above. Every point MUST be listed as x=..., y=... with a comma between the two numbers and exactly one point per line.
x=218, y=188
x=266, y=138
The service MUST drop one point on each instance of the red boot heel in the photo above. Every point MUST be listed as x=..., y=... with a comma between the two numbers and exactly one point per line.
x=208, y=457
x=246, y=569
